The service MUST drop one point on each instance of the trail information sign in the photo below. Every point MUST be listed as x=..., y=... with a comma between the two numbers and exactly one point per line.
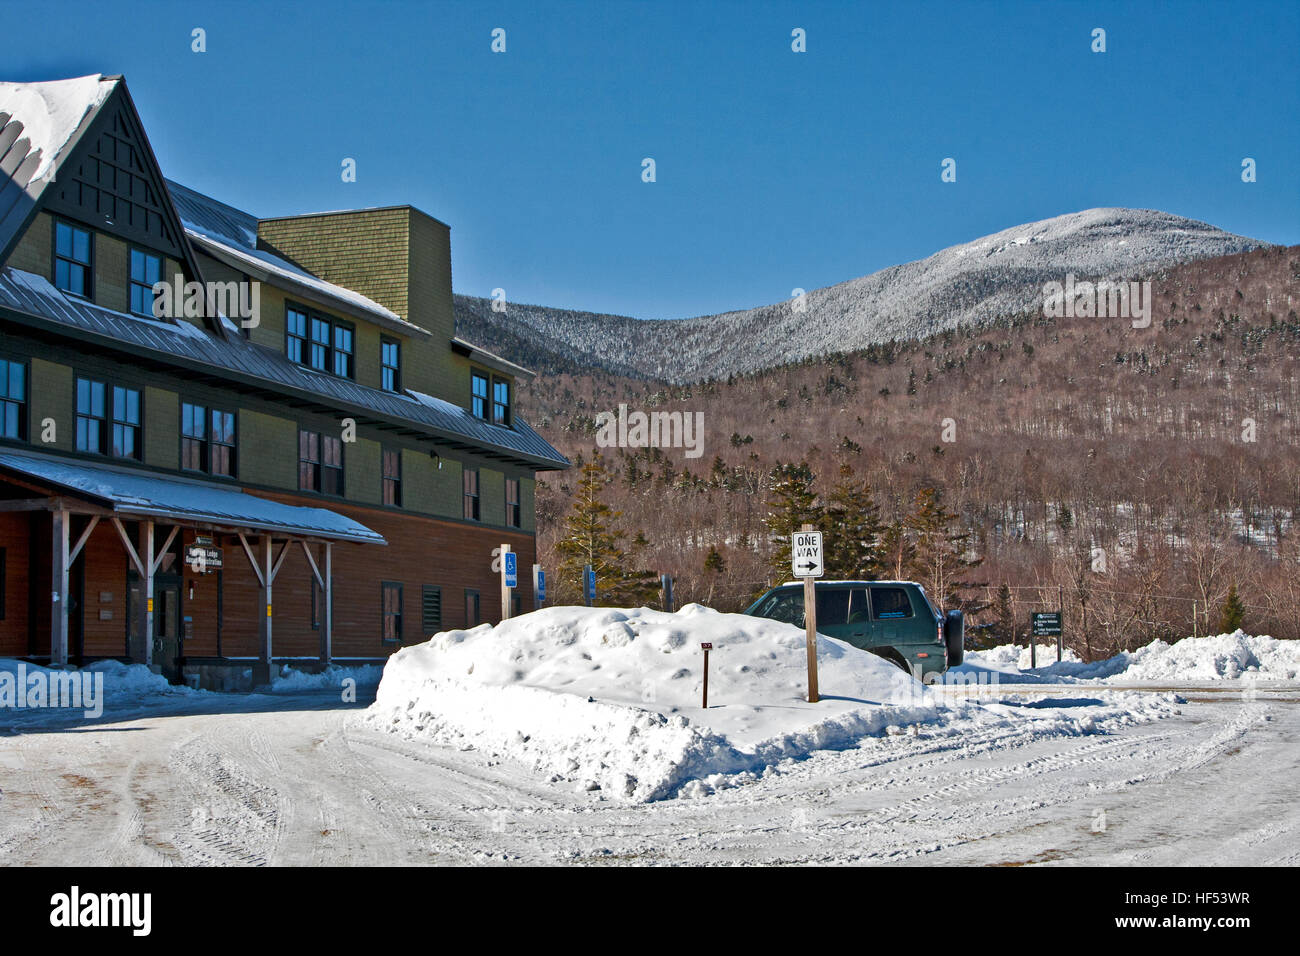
x=1046, y=623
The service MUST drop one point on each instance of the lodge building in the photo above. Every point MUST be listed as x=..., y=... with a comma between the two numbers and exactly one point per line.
x=318, y=471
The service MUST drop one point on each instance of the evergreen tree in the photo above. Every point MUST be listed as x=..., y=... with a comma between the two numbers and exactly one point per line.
x=592, y=536
x=941, y=547
x=897, y=552
x=792, y=504
x=1233, y=611
x=715, y=566
x=853, y=529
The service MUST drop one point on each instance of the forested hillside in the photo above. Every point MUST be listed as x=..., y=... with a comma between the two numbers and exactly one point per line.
x=1144, y=472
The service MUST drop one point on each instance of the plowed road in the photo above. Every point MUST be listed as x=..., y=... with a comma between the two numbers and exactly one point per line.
x=296, y=780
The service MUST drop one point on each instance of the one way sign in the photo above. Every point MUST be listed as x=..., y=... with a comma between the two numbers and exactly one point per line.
x=806, y=554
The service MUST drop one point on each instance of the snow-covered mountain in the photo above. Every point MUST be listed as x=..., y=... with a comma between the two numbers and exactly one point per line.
x=997, y=275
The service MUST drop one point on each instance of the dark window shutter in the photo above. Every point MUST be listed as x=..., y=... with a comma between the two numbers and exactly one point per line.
x=431, y=609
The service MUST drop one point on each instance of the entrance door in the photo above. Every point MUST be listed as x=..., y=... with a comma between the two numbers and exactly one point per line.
x=167, y=644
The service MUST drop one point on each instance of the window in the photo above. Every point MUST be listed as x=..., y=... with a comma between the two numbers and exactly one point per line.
x=295, y=334
x=832, y=606
x=194, y=437
x=308, y=461
x=72, y=269
x=320, y=342
x=13, y=400
x=221, y=459
x=320, y=463
x=390, y=362
x=501, y=402
x=332, y=465
x=342, y=351
x=470, y=476
x=512, y=502
x=785, y=606
x=889, y=603
x=207, y=440
x=146, y=270
x=430, y=609
x=392, y=605
x=478, y=394
x=126, y=422
x=392, y=477
x=98, y=421
x=90, y=416
x=471, y=608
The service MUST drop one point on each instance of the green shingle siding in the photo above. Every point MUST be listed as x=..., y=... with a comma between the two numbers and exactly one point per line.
x=162, y=410
x=268, y=450
x=51, y=397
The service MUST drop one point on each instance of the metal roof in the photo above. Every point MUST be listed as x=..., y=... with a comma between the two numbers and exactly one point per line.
x=235, y=361
x=140, y=494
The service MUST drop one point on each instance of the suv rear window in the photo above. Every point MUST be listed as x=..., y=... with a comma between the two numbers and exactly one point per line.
x=890, y=603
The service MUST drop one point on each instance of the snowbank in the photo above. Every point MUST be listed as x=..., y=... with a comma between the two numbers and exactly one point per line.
x=331, y=678
x=102, y=688
x=1222, y=657
x=609, y=699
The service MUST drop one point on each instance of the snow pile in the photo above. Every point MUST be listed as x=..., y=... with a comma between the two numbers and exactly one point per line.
x=31, y=694
x=609, y=699
x=1222, y=657
x=1015, y=657
x=331, y=678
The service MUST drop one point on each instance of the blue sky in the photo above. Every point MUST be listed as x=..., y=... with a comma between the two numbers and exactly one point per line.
x=774, y=169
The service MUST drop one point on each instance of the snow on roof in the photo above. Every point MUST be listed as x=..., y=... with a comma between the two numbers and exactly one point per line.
x=148, y=495
x=52, y=112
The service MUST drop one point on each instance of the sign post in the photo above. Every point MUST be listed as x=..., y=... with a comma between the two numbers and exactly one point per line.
x=1044, y=624
x=588, y=585
x=806, y=562
x=666, y=583
x=706, y=647
x=539, y=586
x=509, y=579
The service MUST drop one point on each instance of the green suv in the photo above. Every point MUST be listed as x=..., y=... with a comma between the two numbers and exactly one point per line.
x=894, y=619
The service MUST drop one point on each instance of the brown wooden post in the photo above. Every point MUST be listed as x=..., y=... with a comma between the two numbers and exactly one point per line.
x=810, y=622
x=706, y=647
x=147, y=555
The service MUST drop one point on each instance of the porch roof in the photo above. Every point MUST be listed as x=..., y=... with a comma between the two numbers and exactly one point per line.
x=139, y=494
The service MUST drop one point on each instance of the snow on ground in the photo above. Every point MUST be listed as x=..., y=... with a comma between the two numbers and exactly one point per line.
x=31, y=694
x=331, y=678
x=601, y=699
x=1223, y=657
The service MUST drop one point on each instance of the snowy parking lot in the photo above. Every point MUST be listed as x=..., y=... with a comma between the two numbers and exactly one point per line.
x=302, y=779
x=577, y=738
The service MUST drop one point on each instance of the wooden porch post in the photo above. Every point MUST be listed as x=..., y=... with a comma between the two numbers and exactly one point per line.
x=262, y=673
x=59, y=611
x=148, y=592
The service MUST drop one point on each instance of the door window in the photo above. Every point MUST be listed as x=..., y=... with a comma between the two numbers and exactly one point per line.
x=832, y=607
